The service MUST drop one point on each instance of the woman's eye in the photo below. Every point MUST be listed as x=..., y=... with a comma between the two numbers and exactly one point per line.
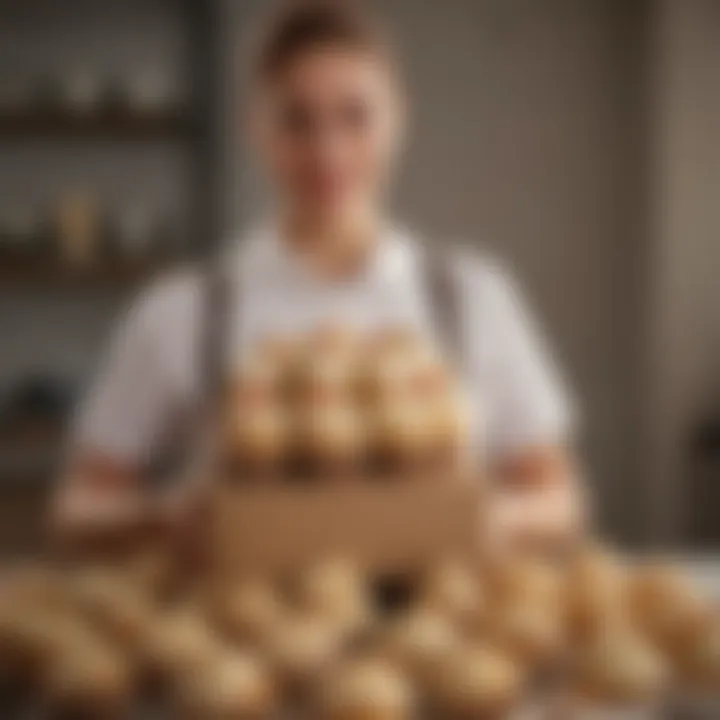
x=296, y=120
x=356, y=115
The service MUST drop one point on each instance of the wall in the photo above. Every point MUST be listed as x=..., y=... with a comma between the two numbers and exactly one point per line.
x=684, y=345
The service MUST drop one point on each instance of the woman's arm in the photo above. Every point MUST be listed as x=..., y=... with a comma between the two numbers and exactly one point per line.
x=126, y=412
x=537, y=495
x=98, y=500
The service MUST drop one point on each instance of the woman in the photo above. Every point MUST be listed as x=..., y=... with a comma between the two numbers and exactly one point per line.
x=327, y=120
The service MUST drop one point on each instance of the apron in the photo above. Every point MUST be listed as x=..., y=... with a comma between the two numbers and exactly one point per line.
x=192, y=452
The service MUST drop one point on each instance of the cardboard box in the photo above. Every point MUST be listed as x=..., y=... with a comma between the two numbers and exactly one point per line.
x=389, y=526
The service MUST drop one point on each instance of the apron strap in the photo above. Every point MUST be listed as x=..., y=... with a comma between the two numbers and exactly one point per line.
x=442, y=290
x=220, y=294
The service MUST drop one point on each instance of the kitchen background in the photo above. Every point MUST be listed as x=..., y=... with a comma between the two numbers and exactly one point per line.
x=576, y=138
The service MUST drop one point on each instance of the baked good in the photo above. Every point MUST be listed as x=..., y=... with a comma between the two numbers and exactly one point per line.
x=665, y=604
x=328, y=438
x=595, y=593
x=697, y=657
x=477, y=681
x=532, y=633
x=247, y=611
x=231, y=685
x=35, y=585
x=116, y=608
x=336, y=591
x=324, y=380
x=384, y=377
x=178, y=643
x=278, y=350
x=258, y=439
x=152, y=570
x=300, y=649
x=333, y=340
x=367, y=690
x=428, y=377
x=517, y=578
x=398, y=435
x=24, y=643
x=398, y=340
x=451, y=588
x=256, y=383
x=449, y=428
x=419, y=642
x=88, y=679
x=619, y=668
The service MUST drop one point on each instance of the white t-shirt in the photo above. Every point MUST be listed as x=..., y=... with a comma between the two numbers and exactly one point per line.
x=152, y=368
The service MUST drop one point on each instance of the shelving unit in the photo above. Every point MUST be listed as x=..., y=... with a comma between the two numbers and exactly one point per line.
x=49, y=124
x=32, y=273
x=30, y=459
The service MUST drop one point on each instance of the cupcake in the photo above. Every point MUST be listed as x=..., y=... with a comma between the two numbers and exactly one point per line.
x=278, y=351
x=534, y=634
x=247, y=611
x=428, y=378
x=595, y=593
x=328, y=440
x=178, y=644
x=333, y=340
x=231, y=685
x=115, y=607
x=324, y=380
x=398, y=340
x=36, y=585
x=367, y=690
x=26, y=642
x=419, y=642
x=696, y=662
x=448, y=430
x=152, y=571
x=476, y=682
x=256, y=384
x=398, y=437
x=87, y=679
x=384, y=378
x=453, y=590
x=698, y=656
x=512, y=579
x=257, y=440
x=336, y=591
x=665, y=605
x=300, y=649
x=619, y=673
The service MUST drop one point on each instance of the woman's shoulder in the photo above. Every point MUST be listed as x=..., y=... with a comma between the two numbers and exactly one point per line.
x=171, y=299
x=474, y=268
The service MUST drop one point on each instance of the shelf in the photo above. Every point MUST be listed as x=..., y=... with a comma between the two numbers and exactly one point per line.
x=29, y=273
x=30, y=455
x=104, y=126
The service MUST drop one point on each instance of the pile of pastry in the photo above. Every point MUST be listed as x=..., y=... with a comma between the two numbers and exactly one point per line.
x=466, y=642
x=339, y=403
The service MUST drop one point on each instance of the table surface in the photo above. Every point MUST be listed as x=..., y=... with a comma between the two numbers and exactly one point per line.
x=705, y=570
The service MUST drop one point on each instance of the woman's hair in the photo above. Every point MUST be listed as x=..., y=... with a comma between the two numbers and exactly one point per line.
x=300, y=26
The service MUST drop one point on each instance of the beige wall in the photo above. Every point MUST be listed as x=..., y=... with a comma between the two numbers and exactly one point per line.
x=684, y=350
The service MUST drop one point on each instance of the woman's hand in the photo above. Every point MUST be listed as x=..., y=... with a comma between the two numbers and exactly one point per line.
x=537, y=502
x=100, y=504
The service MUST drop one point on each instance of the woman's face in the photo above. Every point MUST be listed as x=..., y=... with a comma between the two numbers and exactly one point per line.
x=328, y=131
